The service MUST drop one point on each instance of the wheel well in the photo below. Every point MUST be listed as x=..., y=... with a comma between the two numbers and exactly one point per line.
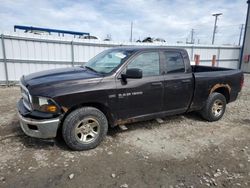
x=224, y=91
x=99, y=106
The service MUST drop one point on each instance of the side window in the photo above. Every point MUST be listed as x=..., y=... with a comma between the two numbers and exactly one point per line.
x=174, y=62
x=148, y=62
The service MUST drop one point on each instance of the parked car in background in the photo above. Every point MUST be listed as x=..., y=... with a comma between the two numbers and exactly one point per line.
x=159, y=40
x=150, y=40
x=89, y=37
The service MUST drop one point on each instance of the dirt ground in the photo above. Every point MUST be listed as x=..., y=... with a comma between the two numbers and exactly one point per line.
x=184, y=151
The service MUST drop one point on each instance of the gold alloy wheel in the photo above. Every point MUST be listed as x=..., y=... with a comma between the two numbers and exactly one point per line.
x=87, y=130
x=217, y=107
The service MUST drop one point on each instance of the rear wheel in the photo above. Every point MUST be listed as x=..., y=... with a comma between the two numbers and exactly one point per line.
x=215, y=107
x=84, y=128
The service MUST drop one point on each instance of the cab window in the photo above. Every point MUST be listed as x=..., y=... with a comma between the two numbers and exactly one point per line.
x=148, y=62
x=173, y=62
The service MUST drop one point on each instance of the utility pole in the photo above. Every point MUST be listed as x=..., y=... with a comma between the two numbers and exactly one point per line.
x=215, y=25
x=192, y=36
x=131, y=32
x=241, y=31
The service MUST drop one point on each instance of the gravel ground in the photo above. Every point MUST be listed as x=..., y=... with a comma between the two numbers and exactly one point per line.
x=184, y=151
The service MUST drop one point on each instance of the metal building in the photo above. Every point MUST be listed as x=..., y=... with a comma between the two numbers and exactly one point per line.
x=245, y=57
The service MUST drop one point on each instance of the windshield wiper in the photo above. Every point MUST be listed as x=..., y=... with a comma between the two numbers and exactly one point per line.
x=87, y=67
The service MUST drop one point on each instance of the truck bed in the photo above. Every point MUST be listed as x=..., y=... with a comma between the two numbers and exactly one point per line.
x=198, y=68
x=207, y=78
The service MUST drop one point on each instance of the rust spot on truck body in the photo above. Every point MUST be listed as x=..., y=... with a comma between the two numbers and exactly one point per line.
x=217, y=86
x=65, y=109
x=125, y=121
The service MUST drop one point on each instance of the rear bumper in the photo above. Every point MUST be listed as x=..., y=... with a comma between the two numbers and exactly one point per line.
x=39, y=128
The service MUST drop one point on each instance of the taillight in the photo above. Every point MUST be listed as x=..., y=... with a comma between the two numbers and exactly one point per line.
x=241, y=82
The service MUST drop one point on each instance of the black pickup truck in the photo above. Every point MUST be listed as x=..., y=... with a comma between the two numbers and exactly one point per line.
x=121, y=86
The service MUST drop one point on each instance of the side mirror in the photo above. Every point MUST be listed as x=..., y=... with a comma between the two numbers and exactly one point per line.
x=132, y=73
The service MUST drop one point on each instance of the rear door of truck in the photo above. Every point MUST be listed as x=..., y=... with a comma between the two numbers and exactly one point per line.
x=178, y=81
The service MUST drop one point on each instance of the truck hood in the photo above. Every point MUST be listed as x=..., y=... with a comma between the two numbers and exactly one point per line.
x=50, y=82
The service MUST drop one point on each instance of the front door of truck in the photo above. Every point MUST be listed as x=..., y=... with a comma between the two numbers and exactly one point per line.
x=141, y=96
x=178, y=83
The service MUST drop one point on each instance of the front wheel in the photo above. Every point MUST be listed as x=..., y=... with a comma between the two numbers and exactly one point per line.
x=215, y=107
x=84, y=128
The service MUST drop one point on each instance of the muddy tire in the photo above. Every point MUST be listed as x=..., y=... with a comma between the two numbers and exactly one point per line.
x=84, y=128
x=214, y=108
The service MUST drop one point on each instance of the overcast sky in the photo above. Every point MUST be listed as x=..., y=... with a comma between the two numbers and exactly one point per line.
x=168, y=19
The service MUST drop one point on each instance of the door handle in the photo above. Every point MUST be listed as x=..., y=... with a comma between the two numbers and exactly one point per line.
x=156, y=84
x=186, y=81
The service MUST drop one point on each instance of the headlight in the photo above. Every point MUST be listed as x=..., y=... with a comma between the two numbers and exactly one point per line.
x=44, y=104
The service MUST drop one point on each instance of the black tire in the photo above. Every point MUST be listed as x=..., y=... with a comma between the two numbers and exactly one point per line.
x=78, y=124
x=209, y=111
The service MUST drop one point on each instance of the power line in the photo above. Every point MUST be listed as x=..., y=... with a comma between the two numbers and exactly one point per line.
x=230, y=25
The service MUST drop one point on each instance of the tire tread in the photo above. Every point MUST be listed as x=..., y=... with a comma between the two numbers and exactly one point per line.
x=206, y=110
x=75, y=116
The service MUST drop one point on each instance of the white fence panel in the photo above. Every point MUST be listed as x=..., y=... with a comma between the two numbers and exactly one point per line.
x=229, y=53
x=28, y=53
x=229, y=64
x=2, y=72
x=16, y=70
x=205, y=53
x=42, y=51
x=189, y=51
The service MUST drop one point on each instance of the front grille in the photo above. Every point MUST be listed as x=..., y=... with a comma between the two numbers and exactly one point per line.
x=26, y=97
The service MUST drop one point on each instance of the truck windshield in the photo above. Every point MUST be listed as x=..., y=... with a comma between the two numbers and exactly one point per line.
x=108, y=61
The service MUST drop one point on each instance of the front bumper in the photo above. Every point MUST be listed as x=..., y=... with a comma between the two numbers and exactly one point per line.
x=39, y=128
x=35, y=127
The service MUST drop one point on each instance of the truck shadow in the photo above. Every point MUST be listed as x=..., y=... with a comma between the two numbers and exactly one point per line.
x=194, y=116
x=58, y=142
x=46, y=144
x=153, y=124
